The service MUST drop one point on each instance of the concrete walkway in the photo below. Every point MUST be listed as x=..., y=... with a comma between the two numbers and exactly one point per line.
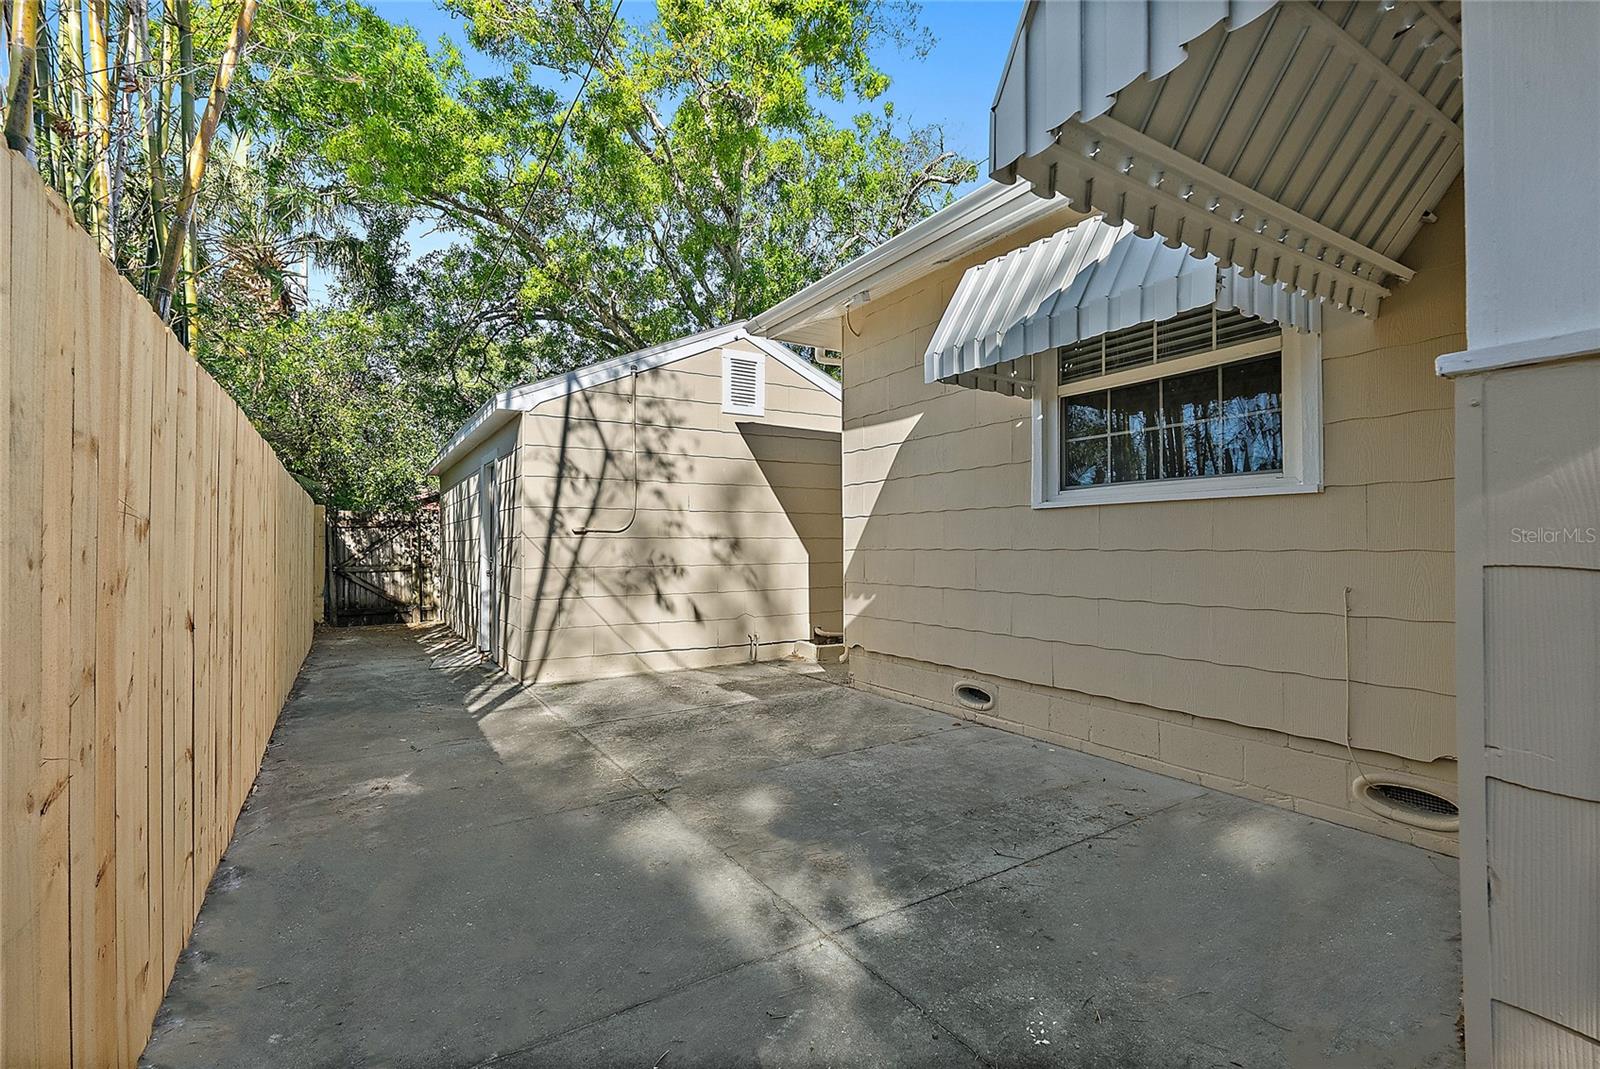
x=757, y=866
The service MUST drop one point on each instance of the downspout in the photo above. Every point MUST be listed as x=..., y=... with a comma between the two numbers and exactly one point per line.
x=634, y=511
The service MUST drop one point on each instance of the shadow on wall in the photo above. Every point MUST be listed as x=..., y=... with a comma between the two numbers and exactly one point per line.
x=796, y=463
x=611, y=558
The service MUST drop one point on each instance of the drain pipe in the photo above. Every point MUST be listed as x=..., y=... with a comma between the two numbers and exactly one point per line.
x=755, y=643
x=633, y=513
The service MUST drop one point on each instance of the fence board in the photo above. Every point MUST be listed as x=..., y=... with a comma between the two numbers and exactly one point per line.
x=59, y=314
x=156, y=573
x=36, y=963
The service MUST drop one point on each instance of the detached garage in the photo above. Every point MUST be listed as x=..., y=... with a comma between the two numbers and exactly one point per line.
x=676, y=507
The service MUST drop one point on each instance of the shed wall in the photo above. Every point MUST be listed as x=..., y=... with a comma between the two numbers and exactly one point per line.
x=737, y=529
x=460, y=541
x=1204, y=639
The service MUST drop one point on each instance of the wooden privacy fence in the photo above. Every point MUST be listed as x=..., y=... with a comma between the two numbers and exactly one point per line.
x=157, y=585
x=381, y=566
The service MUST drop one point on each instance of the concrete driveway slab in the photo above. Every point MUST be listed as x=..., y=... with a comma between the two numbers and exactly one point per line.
x=445, y=949
x=851, y=836
x=668, y=749
x=809, y=1007
x=1217, y=932
x=755, y=866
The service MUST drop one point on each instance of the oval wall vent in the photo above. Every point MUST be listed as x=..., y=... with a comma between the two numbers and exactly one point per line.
x=974, y=696
x=1409, y=803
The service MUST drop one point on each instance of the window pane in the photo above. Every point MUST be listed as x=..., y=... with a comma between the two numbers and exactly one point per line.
x=1253, y=386
x=1189, y=398
x=1135, y=457
x=1085, y=464
x=1192, y=450
x=1133, y=408
x=1252, y=443
x=1222, y=420
x=1084, y=415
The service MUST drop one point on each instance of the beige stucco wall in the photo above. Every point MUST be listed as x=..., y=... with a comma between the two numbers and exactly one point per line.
x=1204, y=639
x=737, y=530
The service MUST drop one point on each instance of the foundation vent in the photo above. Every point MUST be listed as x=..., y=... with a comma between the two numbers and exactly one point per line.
x=974, y=696
x=1408, y=803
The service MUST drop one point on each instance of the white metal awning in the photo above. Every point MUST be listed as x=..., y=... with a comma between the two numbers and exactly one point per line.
x=1303, y=141
x=1080, y=283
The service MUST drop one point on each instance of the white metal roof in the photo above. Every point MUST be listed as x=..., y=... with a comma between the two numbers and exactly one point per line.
x=814, y=315
x=1303, y=141
x=1082, y=282
x=504, y=406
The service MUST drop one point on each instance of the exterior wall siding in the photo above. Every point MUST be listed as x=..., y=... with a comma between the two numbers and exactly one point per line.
x=1530, y=595
x=737, y=529
x=459, y=534
x=1203, y=638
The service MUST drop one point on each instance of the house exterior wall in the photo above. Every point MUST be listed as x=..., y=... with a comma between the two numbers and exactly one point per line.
x=1530, y=596
x=1528, y=569
x=737, y=529
x=1203, y=639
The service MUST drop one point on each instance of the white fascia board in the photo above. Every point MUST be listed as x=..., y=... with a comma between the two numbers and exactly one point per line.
x=993, y=210
x=798, y=364
x=504, y=405
x=480, y=425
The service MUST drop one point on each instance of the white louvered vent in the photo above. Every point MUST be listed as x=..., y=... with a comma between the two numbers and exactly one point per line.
x=744, y=383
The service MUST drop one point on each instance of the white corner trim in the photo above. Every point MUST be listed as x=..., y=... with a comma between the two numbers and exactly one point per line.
x=1473, y=361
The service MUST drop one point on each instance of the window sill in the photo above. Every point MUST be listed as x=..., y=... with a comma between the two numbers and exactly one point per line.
x=1188, y=490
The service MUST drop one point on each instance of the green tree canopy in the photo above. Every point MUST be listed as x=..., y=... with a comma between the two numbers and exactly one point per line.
x=610, y=185
x=699, y=179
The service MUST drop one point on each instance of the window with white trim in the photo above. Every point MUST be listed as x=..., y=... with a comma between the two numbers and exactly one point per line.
x=744, y=383
x=1209, y=403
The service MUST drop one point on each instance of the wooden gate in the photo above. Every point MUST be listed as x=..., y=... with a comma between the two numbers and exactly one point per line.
x=382, y=566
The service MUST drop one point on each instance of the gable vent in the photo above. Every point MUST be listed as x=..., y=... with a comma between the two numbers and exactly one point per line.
x=744, y=384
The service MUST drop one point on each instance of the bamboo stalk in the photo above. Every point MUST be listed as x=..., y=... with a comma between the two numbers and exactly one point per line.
x=20, y=87
x=47, y=108
x=186, y=98
x=195, y=165
x=69, y=38
x=153, y=108
x=100, y=106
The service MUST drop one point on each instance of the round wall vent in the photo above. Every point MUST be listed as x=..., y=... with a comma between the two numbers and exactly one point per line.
x=1410, y=803
x=974, y=696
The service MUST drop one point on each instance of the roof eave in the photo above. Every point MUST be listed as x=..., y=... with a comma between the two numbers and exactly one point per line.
x=503, y=406
x=815, y=315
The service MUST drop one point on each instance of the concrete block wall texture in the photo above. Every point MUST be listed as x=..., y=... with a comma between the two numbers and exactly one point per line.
x=1226, y=614
x=731, y=528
